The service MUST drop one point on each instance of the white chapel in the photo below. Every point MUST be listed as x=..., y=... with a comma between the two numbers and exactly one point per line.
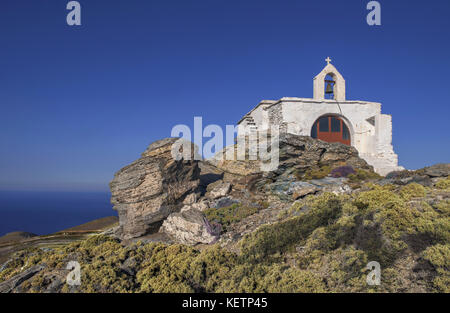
x=329, y=116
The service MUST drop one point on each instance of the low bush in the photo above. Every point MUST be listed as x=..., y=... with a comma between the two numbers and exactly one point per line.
x=342, y=171
x=279, y=237
x=362, y=175
x=318, y=173
x=412, y=190
x=231, y=214
x=443, y=183
x=439, y=256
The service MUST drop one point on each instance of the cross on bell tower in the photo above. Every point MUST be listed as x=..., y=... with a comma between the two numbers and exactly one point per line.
x=328, y=60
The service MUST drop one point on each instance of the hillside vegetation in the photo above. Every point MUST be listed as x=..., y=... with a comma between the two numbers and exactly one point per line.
x=322, y=243
x=313, y=224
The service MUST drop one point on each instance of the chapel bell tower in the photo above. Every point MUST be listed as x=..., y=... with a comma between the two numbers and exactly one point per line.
x=329, y=84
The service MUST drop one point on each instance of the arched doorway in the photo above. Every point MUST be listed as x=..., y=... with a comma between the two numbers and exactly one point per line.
x=331, y=128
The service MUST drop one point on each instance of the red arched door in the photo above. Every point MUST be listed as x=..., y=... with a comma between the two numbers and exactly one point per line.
x=331, y=128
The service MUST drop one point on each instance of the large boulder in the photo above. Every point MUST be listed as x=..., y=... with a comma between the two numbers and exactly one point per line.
x=218, y=189
x=190, y=227
x=304, y=152
x=424, y=176
x=297, y=156
x=293, y=190
x=299, y=152
x=148, y=190
x=437, y=170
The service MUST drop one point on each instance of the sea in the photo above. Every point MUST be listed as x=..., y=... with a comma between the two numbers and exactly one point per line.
x=47, y=212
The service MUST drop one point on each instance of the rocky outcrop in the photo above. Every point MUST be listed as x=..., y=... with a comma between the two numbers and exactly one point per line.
x=437, y=170
x=293, y=190
x=14, y=282
x=218, y=189
x=297, y=156
x=304, y=153
x=424, y=176
x=148, y=190
x=157, y=188
x=300, y=153
x=190, y=227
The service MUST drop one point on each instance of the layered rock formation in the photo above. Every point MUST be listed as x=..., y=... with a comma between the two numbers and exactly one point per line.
x=300, y=153
x=425, y=176
x=156, y=187
x=151, y=188
x=190, y=227
x=297, y=156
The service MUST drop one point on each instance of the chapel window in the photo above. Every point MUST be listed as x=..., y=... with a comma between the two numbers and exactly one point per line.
x=335, y=125
x=323, y=124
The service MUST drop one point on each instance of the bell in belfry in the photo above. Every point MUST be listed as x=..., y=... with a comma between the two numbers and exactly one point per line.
x=329, y=89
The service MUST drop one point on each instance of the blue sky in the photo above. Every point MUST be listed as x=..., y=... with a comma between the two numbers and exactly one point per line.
x=79, y=103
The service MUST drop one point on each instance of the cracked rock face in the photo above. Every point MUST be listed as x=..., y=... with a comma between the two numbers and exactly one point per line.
x=289, y=190
x=438, y=170
x=300, y=152
x=156, y=186
x=148, y=190
x=189, y=227
x=297, y=154
x=424, y=176
x=218, y=190
x=304, y=152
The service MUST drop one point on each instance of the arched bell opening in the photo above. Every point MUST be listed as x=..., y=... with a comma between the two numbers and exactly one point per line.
x=330, y=86
x=331, y=128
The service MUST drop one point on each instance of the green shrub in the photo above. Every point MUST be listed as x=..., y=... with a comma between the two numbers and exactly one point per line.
x=166, y=268
x=345, y=269
x=270, y=278
x=439, y=257
x=230, y=214
x=212, y=266
x=383, y=208
x=443, y=207
x=362, y=175
x=318, y=173
x=280, y=236
x=12, y=268
x=282, y=279
x=443, y=183
x=412, y=190
x=387, y=208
